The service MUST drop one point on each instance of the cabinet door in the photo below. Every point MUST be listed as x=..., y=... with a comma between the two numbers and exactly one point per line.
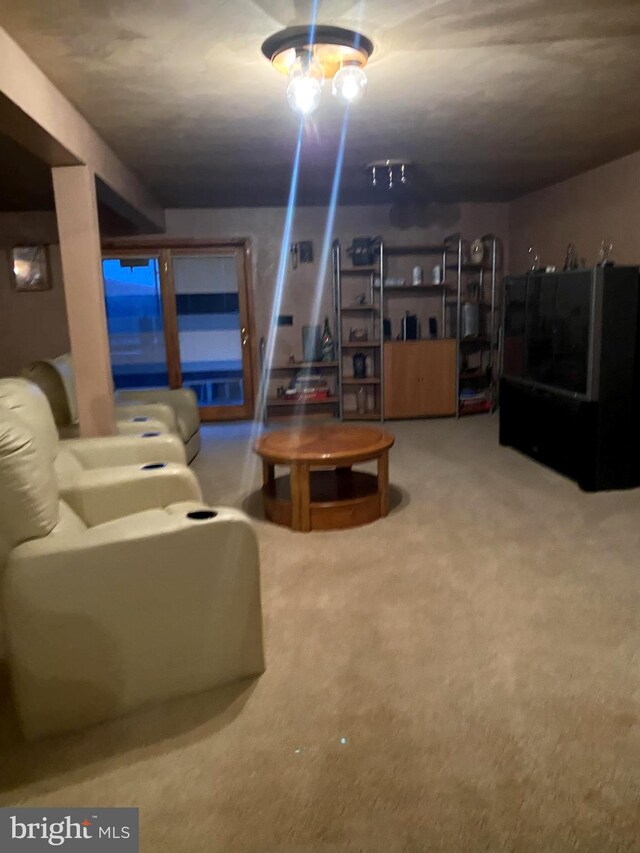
x=437, y=386
x=402, y=373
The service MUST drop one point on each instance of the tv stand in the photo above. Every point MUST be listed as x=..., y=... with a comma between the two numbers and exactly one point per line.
x=590, y=434
x=586, y=441
x=556, y=431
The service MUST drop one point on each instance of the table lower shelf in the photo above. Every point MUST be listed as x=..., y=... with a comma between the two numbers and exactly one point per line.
x=339, y=499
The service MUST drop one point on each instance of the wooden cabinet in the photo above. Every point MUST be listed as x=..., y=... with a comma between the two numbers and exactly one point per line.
x=419, y=378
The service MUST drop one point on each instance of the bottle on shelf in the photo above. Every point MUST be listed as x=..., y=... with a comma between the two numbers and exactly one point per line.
x=311, y=343
x=470, y=320
x=361, y=400
x=328, y=345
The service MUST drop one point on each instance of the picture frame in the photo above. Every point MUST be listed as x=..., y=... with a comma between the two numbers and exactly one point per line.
x=30, y=268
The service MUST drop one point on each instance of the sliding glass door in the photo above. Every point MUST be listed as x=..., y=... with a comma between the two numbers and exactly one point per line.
x=180, y=317
x=212, y=329
x=135, y=322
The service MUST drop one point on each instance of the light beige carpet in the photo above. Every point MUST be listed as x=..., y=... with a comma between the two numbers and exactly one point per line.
x=462, y=676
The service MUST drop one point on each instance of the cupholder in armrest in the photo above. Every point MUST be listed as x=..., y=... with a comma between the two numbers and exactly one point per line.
x=149, y=434
x=202, y=514
x=150, y=466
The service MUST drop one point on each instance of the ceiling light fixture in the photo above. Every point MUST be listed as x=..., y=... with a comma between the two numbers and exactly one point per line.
x=310, y=55
x=388, y=174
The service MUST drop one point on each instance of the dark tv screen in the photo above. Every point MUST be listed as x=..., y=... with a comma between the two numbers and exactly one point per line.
x=546, y=337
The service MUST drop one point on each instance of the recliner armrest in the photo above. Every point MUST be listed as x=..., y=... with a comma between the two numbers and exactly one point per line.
x=139, y=424
x=157, y=411
x=183, y=402
x=125, y=450
x=167, y=396
x=103, y=494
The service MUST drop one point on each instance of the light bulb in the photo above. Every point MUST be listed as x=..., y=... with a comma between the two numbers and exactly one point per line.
x=305, y=86
x=303, y=94
x=349, y=84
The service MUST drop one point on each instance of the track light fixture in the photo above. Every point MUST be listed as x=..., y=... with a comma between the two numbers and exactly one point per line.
x=388, y=174
x=312, y=54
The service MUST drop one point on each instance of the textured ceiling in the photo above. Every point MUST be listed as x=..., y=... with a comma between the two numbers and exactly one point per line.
x=489, y=98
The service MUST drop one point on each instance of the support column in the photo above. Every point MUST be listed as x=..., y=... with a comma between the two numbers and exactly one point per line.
x=77, y=212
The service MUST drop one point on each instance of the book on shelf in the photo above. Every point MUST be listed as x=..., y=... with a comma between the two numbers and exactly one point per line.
x=308, y=385
x=474, y=396
x=309, y=394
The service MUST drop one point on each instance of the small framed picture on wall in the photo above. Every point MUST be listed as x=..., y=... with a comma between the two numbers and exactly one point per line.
x=30, y=268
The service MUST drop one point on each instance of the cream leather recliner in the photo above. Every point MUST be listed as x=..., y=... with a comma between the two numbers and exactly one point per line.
x=105, y=478
x=176, y=408
x=130, y=420
x=101, y=619
x=182, y=402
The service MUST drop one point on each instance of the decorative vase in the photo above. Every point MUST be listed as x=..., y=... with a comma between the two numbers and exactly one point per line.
x=477, y=252
x=328, y=346
x=360, y=366
x=311, y=343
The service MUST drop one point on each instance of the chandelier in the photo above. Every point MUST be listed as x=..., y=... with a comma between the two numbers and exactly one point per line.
x=310, y=55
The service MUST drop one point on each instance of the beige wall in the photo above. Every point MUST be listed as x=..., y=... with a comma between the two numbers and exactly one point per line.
x=601, y=204
x=306, y=292
x=32, y=325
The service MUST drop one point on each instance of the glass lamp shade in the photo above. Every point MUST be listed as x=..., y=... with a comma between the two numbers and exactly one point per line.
x=305, y=85
x=303, y=94
x=349, y=84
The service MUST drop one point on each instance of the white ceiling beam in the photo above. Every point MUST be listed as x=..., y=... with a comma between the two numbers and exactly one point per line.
x=39, y=117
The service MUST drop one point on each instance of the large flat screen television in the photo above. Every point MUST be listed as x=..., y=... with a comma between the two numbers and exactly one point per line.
x=551, y=329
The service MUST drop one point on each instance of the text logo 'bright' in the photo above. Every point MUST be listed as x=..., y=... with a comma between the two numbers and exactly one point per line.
x=34, y=830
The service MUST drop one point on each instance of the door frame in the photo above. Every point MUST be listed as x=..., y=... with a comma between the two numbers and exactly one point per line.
x=163, y=249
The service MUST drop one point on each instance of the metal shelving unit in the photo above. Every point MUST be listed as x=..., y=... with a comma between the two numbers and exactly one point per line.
x=376, y=309
x=374, y=344
x=440, y=250
x=452, y=252
x=485, y=343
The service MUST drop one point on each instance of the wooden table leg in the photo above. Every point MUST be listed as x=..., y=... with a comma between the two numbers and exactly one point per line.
x=300, y=497
x=268, y=473
x=383, y=483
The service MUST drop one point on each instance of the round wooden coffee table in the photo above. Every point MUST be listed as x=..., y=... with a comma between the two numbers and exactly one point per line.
x=334, y=497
